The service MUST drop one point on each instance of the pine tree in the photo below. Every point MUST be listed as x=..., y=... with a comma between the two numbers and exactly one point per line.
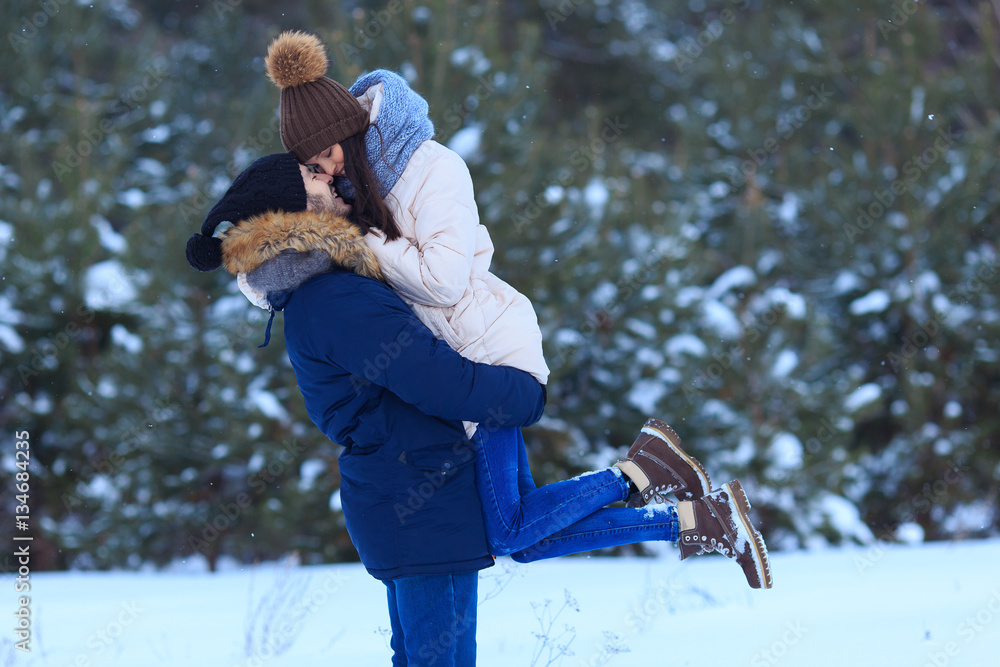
x=773, y=226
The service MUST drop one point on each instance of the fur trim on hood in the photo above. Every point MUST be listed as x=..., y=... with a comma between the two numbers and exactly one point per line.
x=256, y=240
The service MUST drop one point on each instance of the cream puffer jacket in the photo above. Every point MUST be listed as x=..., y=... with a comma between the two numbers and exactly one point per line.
x=440, y=266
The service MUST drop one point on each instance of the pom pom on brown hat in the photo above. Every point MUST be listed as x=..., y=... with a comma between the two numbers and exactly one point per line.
x=316, y=112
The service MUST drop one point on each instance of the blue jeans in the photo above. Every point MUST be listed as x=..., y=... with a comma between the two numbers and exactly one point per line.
x=433, y=620
x=561, y=518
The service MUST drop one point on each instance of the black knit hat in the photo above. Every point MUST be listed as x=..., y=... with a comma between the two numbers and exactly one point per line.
x=271, y=183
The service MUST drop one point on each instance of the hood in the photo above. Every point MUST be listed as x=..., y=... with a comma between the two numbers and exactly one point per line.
x=402, y=124
x=255, y=241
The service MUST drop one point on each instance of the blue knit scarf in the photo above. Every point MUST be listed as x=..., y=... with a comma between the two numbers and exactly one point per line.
x=404, y=122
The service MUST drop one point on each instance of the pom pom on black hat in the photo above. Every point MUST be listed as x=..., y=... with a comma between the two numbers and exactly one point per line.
x=204, y=252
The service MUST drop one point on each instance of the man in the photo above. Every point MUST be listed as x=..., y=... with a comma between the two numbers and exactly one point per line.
x=376, y=381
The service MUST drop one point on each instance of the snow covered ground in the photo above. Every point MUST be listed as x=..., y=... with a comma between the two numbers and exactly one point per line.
x=921, y=606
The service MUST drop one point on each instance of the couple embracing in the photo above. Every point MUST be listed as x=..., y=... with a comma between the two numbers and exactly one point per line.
x=424, y=366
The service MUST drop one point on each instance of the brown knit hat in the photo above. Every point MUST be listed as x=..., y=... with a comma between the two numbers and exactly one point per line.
x=316, y=112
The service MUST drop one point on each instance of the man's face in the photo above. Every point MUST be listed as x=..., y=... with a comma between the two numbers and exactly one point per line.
x=320, y=195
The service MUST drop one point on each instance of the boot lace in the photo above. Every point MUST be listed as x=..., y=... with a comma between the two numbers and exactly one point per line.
x=658, y=494
x=708, y=545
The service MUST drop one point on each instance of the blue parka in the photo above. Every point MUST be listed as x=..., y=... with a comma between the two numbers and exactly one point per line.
x=376, y=381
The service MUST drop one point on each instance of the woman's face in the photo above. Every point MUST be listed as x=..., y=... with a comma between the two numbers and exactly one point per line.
x=330, y=161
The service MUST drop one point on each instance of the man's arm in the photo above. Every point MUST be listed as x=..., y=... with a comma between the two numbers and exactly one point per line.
x=368, y=331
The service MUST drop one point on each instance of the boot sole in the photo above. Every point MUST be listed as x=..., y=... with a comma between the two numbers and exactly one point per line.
x=763, y=564
x=658, y=429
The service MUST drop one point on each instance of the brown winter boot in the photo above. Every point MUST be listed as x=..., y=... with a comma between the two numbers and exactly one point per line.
x=657, y=465
x=720, y=522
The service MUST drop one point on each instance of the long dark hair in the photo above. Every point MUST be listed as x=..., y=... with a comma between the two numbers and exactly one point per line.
x=369, y=207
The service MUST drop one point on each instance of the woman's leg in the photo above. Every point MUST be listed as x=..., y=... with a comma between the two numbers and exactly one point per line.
x=525, y=482
x=718, y=522
x=518, y=515
x=520, y=518
x=608, y=527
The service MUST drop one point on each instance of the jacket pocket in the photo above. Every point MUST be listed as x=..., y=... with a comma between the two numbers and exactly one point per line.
x=441, y=461
x=437, y=488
